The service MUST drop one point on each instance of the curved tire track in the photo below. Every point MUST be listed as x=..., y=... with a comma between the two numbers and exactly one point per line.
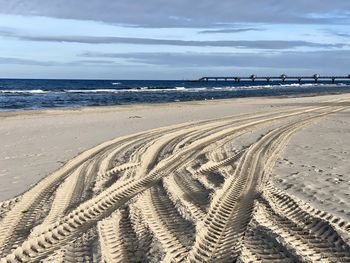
x=164, y=189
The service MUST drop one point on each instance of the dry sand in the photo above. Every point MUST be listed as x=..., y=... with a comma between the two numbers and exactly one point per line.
x=263, y=179
x=315, y=166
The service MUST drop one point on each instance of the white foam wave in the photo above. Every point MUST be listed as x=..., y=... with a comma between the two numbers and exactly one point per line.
x=180, y=88
x=138, y=89
x=90, y=90
x=174, y=89
x=33, y=91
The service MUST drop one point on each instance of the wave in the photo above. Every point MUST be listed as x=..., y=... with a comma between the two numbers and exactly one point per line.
x=154, y=89
x=89, y=90
x=137, y=89
x=33, y=91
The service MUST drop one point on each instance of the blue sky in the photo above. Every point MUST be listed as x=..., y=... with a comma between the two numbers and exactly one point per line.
x=161, y=39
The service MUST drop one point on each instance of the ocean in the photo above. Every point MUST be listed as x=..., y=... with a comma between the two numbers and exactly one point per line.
x=32, y=94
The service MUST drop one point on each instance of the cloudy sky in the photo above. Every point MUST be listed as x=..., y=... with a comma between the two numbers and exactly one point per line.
x=168, y=39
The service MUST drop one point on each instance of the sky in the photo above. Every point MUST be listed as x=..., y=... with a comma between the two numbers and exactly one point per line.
x=168, y=39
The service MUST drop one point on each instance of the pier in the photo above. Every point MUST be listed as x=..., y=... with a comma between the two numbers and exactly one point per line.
x=316, y=78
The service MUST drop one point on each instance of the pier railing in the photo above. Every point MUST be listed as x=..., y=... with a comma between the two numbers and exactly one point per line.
x=282, y=78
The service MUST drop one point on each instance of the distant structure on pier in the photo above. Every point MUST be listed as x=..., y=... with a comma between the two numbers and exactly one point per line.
x=283, y=78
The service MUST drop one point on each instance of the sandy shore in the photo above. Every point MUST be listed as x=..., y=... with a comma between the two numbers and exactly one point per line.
x=178, y=181
x=315, y=166
x=35, y=143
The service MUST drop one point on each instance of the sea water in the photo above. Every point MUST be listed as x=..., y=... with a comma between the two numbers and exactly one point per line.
x=29, y=94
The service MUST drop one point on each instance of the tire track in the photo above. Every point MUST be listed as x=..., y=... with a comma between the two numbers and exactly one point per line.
x=261, y=245
x=307, y=244
x=153, y=165
x=118, y=239
x=232, y=207
x=81, y=250
x=325, y=239
x=25, y=212
x=66, y=195
x=188, y=194
x=174, y=232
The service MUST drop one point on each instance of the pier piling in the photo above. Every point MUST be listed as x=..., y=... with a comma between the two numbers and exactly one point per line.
x=283, y=78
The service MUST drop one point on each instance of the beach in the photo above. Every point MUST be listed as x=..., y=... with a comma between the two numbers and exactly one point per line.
x=184, y=181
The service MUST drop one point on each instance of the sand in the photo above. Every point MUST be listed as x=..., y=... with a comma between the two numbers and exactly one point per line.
x=246, y=180
x=315, y=166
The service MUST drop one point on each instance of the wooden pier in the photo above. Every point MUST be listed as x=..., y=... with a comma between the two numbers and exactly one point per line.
x=316, y=78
